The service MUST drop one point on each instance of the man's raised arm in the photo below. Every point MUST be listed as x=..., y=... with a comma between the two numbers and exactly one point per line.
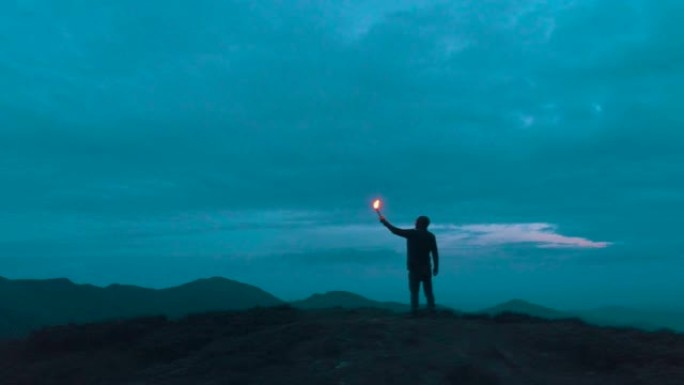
x=394, y=229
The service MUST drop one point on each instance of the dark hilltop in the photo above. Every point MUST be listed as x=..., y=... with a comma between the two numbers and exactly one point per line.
x=283, y=345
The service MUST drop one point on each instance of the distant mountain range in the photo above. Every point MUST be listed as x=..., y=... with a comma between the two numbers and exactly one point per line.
x=27, y=305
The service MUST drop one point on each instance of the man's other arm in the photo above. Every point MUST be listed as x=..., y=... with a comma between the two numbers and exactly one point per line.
x=394, y=229
x=435, y=256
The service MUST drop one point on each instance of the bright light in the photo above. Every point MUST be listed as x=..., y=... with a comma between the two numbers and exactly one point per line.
x=376, y=205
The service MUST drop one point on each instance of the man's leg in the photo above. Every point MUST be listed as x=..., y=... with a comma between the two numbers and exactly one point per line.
x=414, y=287
x=427, y=288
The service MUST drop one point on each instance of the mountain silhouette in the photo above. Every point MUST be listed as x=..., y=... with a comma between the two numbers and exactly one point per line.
x=283, y=345
x=214, y=294
x=26, y=305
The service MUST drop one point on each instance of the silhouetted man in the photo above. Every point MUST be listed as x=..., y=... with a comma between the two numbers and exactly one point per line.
x=419, y=244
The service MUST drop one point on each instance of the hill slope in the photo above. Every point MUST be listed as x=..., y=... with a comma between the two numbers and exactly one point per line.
x=287, y=346
x=605, y=316
x=621, y=316
x=524, y=307
x=346, y=300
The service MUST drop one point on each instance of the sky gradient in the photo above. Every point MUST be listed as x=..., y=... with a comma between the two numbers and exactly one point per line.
x=154, y=143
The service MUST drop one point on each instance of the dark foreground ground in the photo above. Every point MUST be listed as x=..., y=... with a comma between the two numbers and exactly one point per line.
x=343, y=347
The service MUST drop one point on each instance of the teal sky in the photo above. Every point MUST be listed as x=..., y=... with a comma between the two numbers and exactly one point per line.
x=155, y=143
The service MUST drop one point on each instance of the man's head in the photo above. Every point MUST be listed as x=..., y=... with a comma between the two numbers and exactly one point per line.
x=422, y=222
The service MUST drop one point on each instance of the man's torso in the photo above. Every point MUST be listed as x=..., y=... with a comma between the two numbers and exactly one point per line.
x=418, y=246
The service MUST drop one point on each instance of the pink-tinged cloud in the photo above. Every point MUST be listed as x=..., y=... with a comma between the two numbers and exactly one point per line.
x=542, y=235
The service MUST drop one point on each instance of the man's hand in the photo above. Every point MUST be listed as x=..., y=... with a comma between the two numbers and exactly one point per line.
x=382, y=219
x=435, y=271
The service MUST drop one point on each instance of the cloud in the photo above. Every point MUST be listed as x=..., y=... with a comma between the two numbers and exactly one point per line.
x=542, y=235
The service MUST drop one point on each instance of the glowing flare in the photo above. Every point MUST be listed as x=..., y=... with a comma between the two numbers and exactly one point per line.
x=376, y=205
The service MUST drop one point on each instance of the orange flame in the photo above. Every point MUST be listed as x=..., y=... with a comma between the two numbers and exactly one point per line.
x=376, y=204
